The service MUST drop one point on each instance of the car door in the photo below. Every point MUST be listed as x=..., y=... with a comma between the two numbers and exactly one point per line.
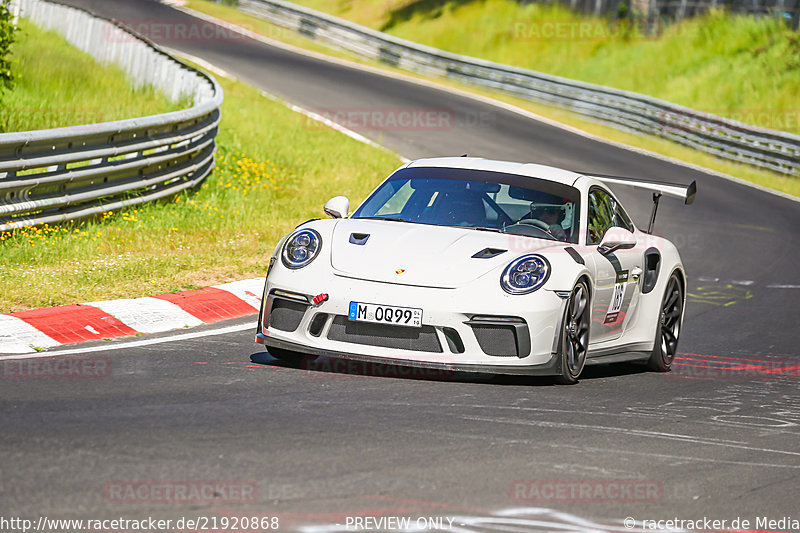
x=616, y=274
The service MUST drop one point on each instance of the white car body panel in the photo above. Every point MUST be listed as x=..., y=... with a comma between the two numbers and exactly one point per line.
x=431, y=267
x=394, y=245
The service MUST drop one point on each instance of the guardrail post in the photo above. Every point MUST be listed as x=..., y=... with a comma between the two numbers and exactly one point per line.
x=15, y=7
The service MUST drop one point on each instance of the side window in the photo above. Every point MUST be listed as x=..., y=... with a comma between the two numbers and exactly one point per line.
x=600, y=216
x=621, y=218
x=604, y=212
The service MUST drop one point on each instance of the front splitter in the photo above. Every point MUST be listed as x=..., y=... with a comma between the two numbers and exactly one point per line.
x=549, y=368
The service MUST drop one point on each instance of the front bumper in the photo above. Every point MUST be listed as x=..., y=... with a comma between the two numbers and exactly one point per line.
x=457, y=333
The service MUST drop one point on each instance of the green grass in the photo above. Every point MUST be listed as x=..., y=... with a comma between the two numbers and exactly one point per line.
x=275, y=169
x=57, y=85
x=657, y=145
x=733, y=66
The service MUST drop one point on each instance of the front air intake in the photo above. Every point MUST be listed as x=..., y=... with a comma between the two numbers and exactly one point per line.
x=422, y=339
x=286, y=315
x=496, y=340
x=500, y=336
x=317, y=324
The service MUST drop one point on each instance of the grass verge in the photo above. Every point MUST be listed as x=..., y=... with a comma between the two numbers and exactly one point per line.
x=274, y=169
x=57, y=85
x=738, y=67
x=765, y=178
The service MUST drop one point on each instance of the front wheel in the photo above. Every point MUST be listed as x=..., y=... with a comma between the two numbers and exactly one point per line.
x=669, y=327
x=574, y=340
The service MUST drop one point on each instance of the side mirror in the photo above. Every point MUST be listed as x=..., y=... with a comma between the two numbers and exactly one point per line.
x=616, y=238
x=337, y=207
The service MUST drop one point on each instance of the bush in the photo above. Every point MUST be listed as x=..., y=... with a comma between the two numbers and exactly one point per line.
x=7, y=31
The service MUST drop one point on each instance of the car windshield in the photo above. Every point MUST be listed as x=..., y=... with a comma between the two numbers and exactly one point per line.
x=477, y=199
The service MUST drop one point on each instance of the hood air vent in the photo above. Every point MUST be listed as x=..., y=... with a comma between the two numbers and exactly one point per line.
x=359, y=238
x=488, y=253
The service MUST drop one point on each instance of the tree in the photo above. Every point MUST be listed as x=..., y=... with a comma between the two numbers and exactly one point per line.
x=7, y=31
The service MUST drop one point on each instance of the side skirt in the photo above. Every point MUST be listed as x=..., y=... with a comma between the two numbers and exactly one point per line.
x=619, y=354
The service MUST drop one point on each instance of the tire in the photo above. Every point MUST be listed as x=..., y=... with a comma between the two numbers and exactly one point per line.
x=289, y=357
x=668, y=329
x=574, y=335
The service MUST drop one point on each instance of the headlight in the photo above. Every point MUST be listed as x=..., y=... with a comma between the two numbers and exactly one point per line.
x=301, y=248
x=525, y=274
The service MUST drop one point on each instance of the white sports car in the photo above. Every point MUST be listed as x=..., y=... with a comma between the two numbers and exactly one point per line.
x=467, y=264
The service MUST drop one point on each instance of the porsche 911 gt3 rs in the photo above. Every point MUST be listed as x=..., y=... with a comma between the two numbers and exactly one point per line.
x=467, y=264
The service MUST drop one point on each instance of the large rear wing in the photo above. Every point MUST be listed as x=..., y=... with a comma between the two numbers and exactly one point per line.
x=684, y=192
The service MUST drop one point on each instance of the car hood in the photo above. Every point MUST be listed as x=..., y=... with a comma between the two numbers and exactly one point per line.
x=422, y=255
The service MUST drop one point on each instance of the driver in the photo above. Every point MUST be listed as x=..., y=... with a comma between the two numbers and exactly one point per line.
x=552, y=215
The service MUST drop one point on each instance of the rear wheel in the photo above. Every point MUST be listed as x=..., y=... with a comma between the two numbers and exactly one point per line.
x=574, y=335
x=290, y=357
x=669, y=327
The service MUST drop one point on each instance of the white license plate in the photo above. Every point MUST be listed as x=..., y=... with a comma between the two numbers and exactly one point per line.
x=386, y=314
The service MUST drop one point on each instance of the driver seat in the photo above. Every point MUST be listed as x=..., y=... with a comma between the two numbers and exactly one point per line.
x=463, y=209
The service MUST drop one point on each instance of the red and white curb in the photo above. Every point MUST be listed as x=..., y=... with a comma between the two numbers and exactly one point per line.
x=39, y=329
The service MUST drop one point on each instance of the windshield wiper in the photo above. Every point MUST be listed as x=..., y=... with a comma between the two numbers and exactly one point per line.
x=482, y=228
x=479, y=228
x=393, y=219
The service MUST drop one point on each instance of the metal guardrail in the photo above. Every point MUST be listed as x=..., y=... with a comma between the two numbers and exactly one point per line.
x=725, y=138
x=49, y=176
x=654, y=15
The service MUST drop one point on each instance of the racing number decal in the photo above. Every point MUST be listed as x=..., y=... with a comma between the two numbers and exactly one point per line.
x=618, y=297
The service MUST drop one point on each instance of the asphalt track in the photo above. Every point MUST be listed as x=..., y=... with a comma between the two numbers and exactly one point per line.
x=718, y=437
